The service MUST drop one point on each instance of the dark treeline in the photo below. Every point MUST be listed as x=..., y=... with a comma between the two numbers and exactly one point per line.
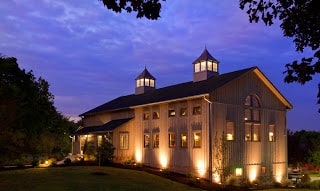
x=303, y=148
x=30, y=126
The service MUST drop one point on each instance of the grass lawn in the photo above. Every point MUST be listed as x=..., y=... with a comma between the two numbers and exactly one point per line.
x=83, y=178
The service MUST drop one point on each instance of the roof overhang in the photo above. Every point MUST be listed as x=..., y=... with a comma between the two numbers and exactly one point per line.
x=107, y=127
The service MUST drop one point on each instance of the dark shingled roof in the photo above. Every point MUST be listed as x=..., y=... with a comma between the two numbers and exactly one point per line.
x=205, y=56
x=173, y=92
x=111, y=125
x=145, y=74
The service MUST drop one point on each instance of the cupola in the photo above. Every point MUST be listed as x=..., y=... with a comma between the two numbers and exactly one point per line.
x=205, y=67
x=145, y=82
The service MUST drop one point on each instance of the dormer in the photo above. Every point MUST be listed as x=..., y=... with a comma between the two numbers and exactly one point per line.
x=205, y=67
x=145, y=82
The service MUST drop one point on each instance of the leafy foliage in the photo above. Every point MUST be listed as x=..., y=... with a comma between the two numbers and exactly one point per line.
x=144, y=8
x=29, y=122
x=300, y=20
x=303, y=147
x=105, y=152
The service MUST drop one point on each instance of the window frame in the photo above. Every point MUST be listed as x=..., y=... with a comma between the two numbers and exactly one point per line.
x=146, y=115
x=196, y=110
x=197, y=142
x=155, y=115
x=172, y=140
x=184, y=143
x=171, y=113
x=184, y=111
x=271, y=129
x=146, y=140
x=156, y=140
x=124, y=140
x=230, y=131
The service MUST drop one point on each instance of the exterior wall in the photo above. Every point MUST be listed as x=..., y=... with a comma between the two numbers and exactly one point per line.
x=177, y=159
x=251, y=156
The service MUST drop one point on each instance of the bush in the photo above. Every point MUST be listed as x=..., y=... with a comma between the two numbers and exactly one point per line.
x=67, y=161
x=35, y=163
x=315, y=184
x=105, y=152
x=232, y=181
x=304, y=182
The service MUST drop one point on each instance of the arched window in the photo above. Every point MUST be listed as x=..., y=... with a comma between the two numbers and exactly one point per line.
x=252, y=118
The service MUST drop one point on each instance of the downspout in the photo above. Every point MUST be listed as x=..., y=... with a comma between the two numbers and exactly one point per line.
x=210, y=138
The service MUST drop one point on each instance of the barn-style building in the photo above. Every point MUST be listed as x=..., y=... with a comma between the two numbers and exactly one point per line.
x=216, y=125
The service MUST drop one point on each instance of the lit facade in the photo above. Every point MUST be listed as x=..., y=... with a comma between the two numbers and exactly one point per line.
x=217, y=125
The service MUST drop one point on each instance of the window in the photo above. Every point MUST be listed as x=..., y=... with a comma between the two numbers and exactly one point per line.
x=252, y=118
x=197, y=67
x=146, y=140
x=210, y=66
x=230, y=131
x=203, y=65
x=183, y=111
x=271, y=133
x=156, y=140
x=172, y=140
x=151, y=83
x=172, y=113
x=196, y=139
x=252, y=108
x=252, y=132
x=146, y=116
x=184, y=143
x=197, y=110
x=155, y=115
x=147, y=82
x=263, y=170
x=238, y=171
x=215, y=66
x=124, y=140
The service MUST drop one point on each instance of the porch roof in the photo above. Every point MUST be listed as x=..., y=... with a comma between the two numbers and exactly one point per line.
x=110, y=126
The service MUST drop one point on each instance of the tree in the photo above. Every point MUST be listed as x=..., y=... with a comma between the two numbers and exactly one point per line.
x=144, y=8
x=105, y=152
x=29, y=122
x=300, y=20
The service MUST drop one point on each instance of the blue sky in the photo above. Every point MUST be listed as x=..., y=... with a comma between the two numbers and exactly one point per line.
x=90, y=55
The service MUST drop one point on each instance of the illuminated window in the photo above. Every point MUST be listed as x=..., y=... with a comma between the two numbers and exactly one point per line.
x=230, y=131
x=155, y=115
x=252, y=109
x=151, y=83
x=263, y=170
x=248, y=132
x=215, y=67
x=183, y=111
x=196, y=139
x=172, y=140
x=210, y=65
x=252, y=118
x=184, y=143
x=156, y=140
x=124, y=140
x=146, y=116
x=138, y=83
x=203, y=66
x=172, y=112
x=141, y=82
x=238, y=172
x=197, y=67
x=271, y=133
x=252, y=132
x=196, y=110
x=146, y=140
x=147, y=82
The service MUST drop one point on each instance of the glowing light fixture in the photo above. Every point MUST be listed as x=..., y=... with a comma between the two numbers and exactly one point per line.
x=238, y=171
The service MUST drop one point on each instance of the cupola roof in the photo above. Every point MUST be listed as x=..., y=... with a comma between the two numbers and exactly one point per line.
x=145, y=74
x=205, y=56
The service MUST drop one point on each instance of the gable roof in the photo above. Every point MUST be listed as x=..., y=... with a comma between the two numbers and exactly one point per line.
x=110, y=126
x=183, y=90
x=173, y=92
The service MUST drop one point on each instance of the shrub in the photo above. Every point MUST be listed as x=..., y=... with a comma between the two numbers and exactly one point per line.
x=315, y=184
x=232, y=181
x=67, y=161
x=35, y=163
x=105, y=152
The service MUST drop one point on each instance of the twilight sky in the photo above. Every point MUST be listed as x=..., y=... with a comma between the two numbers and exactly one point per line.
x=90, y=55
